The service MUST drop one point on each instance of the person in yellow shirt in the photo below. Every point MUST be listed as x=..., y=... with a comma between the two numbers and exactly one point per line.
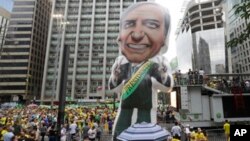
x=3, y=131
x=90, y=123
x=106, y=126
x=192, y=134
x=226, y=128
x=3, y=120
x=175, y=138
x=199, y=135
x=9, y=122
x=205, y=135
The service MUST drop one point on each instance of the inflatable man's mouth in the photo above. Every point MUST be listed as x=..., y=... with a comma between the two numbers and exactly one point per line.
x=138, y=48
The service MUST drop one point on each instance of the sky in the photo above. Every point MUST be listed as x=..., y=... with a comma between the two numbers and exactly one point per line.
x=174, y=7
x=6, y=4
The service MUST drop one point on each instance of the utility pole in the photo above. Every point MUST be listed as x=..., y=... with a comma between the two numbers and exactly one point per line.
x=59, y=34
x=64, y=75
x=62, y=91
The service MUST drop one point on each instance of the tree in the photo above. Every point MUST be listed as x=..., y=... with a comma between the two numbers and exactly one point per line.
x=243, y=11
x=174, y=64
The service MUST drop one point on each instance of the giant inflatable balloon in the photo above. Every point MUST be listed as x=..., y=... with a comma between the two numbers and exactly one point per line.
x=141, y=70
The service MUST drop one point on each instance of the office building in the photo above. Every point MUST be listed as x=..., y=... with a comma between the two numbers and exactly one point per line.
x=23, y=53
x=4, y=21
x=200, y=38
x=89, y=28
x=240, y=58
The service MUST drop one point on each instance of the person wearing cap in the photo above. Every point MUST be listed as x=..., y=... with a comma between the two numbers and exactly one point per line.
x=141, y=70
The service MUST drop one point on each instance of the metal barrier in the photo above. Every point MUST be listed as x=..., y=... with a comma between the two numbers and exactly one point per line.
x=216, y=135
x=106, y=137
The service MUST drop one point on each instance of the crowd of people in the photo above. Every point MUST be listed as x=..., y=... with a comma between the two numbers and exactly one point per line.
x=191, y=78
x=198, y=77
x=181, y=132
x=188, y=133
x=81, y=123
x=35, y=124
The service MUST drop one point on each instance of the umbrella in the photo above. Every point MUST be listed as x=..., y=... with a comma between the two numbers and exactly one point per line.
x=144, y=132
x=32, y=105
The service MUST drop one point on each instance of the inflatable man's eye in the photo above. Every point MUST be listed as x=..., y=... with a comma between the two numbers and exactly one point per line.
x=152, y=24
x=128, y=24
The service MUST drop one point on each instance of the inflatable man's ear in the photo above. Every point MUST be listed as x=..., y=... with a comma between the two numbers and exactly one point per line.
x=164, y=47
x=167, y=21
x=118, y=40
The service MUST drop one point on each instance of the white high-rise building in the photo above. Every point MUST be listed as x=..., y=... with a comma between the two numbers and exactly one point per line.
x=89, y=28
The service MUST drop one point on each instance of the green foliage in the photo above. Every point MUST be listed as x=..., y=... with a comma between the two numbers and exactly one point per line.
x=243, y=11
x=174, y=63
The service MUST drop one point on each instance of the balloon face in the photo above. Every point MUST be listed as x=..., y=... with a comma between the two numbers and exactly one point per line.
x=142, y=33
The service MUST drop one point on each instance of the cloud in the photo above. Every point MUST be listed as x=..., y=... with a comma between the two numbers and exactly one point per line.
x=174, y=7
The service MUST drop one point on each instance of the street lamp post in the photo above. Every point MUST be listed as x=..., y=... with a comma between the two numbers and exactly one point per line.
x=63, y=76
x=59, y=34
x=62, y=90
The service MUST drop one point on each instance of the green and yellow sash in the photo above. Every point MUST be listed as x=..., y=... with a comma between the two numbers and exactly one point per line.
x=136, y=79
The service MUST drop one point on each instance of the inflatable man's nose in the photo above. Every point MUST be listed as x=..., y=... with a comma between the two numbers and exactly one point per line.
x=137, y=36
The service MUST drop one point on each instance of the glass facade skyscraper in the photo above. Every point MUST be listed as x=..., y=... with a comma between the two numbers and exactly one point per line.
x=200, y=40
